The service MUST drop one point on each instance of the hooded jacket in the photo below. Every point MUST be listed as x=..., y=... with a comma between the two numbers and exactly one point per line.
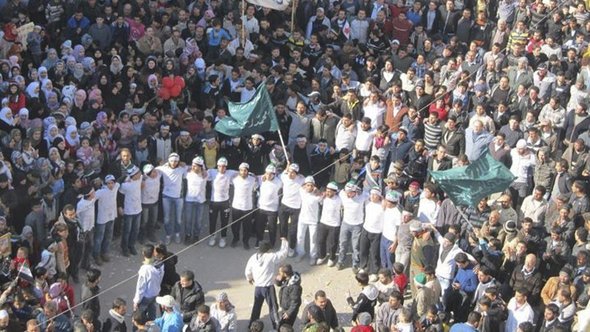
x=365, y=302
x=188, y=299
x=290, y=295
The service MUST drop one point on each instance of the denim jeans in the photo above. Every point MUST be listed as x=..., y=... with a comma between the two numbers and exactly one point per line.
x=149, y=216
x=103, y=235
x=193, y=218
x=130, y=231
x=386, y=256
x=350, y=234
x=172, y=209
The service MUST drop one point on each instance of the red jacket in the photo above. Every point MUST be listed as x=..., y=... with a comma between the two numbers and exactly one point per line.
x=16, y=103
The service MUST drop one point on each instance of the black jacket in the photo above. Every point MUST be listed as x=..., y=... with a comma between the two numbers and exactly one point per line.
x=365, y=302
x=290, y=295
x=532, y=283
x=330, y=315
x=188, y=299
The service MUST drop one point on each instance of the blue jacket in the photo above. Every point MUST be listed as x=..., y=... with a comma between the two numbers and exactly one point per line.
x=462, y=327
x=467, y=278
x=170, y=322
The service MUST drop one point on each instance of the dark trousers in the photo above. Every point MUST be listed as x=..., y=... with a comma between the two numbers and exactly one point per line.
x=370, y=243
x=286, y=229
x=75, y=258
x=458, y=302
x=241, y=220
x=262, y=294
x=327, y=240
x=216, y=209
x=266, y=219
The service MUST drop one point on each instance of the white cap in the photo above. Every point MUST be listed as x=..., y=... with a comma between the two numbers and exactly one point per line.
x=376, y=191
x=3, y=314
x=309, y=179
x=166, y=301
x=148, y=168
x=271, y=169
x=222, y=161
x=110, y=177
x=521, y=144
x=244, y=165
x=332, y=186
x=350, y=186
x=184, y=133
x=294, y=168
x=198, y=161
x=173, y=157
x=134, y=170
x=392, y=196
x=258, y=136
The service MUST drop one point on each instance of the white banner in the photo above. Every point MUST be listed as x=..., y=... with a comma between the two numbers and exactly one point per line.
x=273, y=4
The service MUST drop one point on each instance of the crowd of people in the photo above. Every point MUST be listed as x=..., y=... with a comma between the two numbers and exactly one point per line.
x=107, y=131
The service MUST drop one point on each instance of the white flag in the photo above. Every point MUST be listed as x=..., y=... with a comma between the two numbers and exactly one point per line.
x=279, y=5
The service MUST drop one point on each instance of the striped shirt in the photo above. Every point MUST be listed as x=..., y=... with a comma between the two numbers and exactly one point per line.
x=432, y=134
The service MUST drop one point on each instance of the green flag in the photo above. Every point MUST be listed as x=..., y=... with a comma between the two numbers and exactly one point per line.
x=469, y=184
x=253, y=117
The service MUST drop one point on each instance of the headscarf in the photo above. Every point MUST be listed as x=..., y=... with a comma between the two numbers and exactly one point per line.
x=116, y=70
x=32, y=129
x=151, y=78
x=70, y=63
x=44, y=88
x=78, y=71
x=25, y=121
x=79, y=98
x=101, y=118
x=31, y=90
x=48, y=136
x=6, y=116
x=49, y=62
x=72, y=141
x=76, y=54
x=52, y=105
x=41, y=70
x=87, y=63
x=70, y=121
x=68, y=91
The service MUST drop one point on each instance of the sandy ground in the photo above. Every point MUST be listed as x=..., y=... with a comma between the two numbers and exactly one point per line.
x=218, y=270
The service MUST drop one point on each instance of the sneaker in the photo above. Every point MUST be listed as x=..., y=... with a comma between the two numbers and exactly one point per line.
x=373, y=278
x=187, y=240
x=340, y=266
x=168, y=240
x=331, y=263
x=132, y=251
x=222, y=243
x=320, y=261
x=312, y=262
x=125, y=252
x=355, y=270
x=105, y=258
x=177, y=238
x=211, y=241
x=361, y=271
x=291, y=253
x=97, y=260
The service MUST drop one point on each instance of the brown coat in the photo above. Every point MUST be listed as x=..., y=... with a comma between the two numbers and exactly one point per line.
x=394, y=122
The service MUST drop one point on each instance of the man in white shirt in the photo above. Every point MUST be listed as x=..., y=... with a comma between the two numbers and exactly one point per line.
x=260, y=272
x=220, y=179
x=242, y=205
x=353, y=202
x=535, y=206
x=428, y=206
x=150, y=195
x=308, y=219
x=268, y=205
x=392, y=217
x=290, y=205
x=371, y=234
x=519, y=310
x=107, y=212
x=149, y=278
x=86, y=219
x=196, y=189
x=131, y=188
x=172, y=202
x=329, y=226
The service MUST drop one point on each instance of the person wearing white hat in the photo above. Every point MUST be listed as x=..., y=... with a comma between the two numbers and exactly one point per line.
x=371, y=234
x=392, y=217
x=219, y=205
x=308, y=219
x=242, y=204
x=171, y=319
x=353, y=202
x=107, y=212
x=150, y=199
x=523, y=161
x=173, y=175
x=85, y=209
x=194, y=201
x=256, y=154
x=329, y=226
x=268, y=205
x=131, y=188
x=290, y=205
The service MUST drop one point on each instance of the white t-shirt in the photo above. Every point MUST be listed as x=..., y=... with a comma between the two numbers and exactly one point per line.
x=151, y=189
x=353, y=208
x=172, y=180
x=220, y=184
x=310, y=207
x=364, y=139
x=331, y=211
x=132, y=192
x=269, y=194
x=196, y=187
x=373, y=217
x=243, y=191
x=391, y=220
x=291, y=197
x=107, y=204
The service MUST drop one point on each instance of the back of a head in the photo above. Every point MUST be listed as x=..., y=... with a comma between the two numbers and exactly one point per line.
x=256, y=326
x=264, y=247
x=474, y=318
x=148, y=251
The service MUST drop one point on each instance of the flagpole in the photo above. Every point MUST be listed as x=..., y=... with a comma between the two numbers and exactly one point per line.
x=283, y=144
x=293, y=7
x=243, y=24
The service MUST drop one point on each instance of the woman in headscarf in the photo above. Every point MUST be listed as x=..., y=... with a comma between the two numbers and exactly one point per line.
x=47, y=87
x=43, y=74
x=152, y=86
x=16, y=98
x=78, y=72
x=58, y=72
x=7, y=121
x=55, y=158
x=35, y=136
x=79, y=53
x=51, y=133
x=12, y=142
x=60, y=144
x=79, y=106
x=52, y=101
x=33, y=90
x=101, y=120
x=125, y=129
x=104, y=84
x=51, y=59
x=72, y=139
x=25, y=121
x=116, y=66
x=150, y=68
x=70, y=63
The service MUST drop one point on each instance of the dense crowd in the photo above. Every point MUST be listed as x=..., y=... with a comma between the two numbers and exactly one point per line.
x=107, y=131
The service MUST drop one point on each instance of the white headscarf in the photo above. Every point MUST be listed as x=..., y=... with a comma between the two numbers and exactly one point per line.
x=5, y=116
x=31, y=90
x=72, y=141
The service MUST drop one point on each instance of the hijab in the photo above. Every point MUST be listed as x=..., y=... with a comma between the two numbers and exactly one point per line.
x=101, y=119
x=116, y=69
x=6, y=116
x=53, y=105
x=31, y=90
x=79, y=98
x=50, y=139
x=72, y=141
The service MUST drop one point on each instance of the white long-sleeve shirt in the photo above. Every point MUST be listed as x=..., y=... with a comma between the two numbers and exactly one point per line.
x=243, y=189
x=151, y=189
x=220, y=184
x=196, y=187
x=522, y=166
x=392, y=218
x=107, y=204
x=291, y=197
x=427, y=210
x=86, y=215
x=331, y=211
x=373, y=218
x=518, y=314
x=132, y=192
x=172, y=180
x=149, y=279
x=310, y=207
x=353, y=208
x=261, y=268
x=269, y=198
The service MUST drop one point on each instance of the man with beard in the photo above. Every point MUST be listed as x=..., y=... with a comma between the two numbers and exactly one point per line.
x=289, y=294
x=68, y=217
